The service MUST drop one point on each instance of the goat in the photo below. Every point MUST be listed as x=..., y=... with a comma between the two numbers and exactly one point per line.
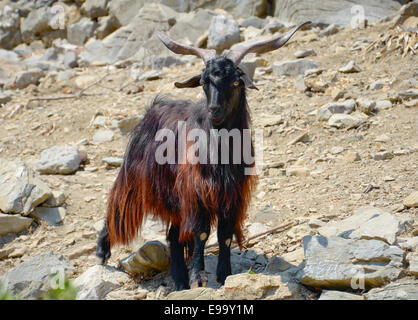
x=189, y=198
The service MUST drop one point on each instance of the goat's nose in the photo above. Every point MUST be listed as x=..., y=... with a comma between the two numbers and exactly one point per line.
x=215, y=110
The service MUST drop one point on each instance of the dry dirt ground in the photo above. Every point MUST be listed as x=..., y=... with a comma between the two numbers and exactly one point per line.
x=332, y=191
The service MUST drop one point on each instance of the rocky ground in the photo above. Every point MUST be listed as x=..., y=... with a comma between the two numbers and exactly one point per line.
x=339, y=118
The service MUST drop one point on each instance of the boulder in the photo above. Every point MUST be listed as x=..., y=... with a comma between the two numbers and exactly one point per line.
x=94, y=8
x=27, y=77
x=151, y=257
x=339, y=12
x=223, y=33
x=338, y=263
x=366, y=223
x=20, y=188
x=9, y=28
x=34, y=277
x=406, y=290
x=59, y=160
x=96, y=282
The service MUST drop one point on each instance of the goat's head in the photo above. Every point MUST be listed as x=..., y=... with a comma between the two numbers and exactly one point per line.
x=222, y=79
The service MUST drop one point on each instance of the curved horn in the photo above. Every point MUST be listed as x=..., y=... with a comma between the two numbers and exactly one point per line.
x=179, y=48
x=264, y=46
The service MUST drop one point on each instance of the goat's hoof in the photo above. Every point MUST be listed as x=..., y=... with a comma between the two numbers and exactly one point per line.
x=198, y=279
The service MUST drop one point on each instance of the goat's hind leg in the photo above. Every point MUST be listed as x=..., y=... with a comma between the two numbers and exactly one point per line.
x=198, y=276
x=103, y=245
x=178, y=266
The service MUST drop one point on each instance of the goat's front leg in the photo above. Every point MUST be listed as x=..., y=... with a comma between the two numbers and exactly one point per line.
x=225, y=232
x=178, y=266
x=198, y=277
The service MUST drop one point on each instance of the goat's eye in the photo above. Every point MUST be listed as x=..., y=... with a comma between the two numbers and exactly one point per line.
x=236, y=83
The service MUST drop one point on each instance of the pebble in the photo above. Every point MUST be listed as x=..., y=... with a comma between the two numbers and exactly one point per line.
x=350, y=67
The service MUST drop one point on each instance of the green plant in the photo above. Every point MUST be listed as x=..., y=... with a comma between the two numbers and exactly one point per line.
x=6, y=294
x=68, y=292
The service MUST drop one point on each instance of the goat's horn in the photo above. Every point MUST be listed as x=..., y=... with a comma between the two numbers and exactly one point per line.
x=179, y=48
x=263, y=46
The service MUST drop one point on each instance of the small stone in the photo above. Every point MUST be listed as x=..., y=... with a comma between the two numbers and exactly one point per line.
x=339, y=295
x=340, y=120
x=99, y=121
x=126, y=125
x=409, y=94
x=336, y=150
x=377, y=85
x=383, y=105
x=304, y=53
x=337, y=94
x=327, y=110
x=411, y=104
x=382, y=138
x=59, y=160
x=411, y=200
x=57, y=199
x=330, y=30
x=350, y=67
x=103, y=136
x=292, y=68
x=113, y=161
x=52, y=216
x=384, y=155
x=297, y=172
x=365, y=105
x=315, y=223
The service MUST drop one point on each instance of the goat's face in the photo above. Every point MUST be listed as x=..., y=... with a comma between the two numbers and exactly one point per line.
x=223, y=83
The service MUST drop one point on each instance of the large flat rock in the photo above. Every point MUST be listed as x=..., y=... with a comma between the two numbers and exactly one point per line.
x=338, y=263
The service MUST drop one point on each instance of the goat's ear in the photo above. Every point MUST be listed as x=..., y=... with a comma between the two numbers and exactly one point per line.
x=191, y=83
x=248, y=82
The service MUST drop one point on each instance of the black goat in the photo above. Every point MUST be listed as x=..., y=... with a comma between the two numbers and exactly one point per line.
x=189, y=197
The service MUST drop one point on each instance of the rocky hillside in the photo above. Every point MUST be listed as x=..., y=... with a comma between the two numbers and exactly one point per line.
x=334, y=215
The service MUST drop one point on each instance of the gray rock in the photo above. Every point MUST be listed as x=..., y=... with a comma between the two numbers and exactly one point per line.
x=23, y=50
x=57, y=199
x=200, y=293
x=408, y=94
x=411, y=103
x=106, y=25
x=113, y=161
x=333, y=11
x=292, y=68
x=383, y=104
x=327, y=110
x=412, y=259
x=96, y=282
x=256, y=286
x=328, y=31
x=13, y=223
x=20, y=188
x=4, y=98
x=8, y=55
x=94, y=8
x=79, y=32
x=248, y=66
x=192, y=25
x=350, y=67
x=59, y=160
x=304, y=53
x=152, y=256
x=255, y=22
x=383, y=155
x=103, y=136
x=339, y=295
x=338, y=263
x=366, y=223
x=70, y=59
x=52, y=216
x=223, y=33
x=376, y=85
x=125, y=11
x=340, y=120
x=25, y=78
x=406, y=290
x=365, y=105
x=9, y=28
x=35, y=24
x=336, y=150
x=274, y=26
x=34, y=277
